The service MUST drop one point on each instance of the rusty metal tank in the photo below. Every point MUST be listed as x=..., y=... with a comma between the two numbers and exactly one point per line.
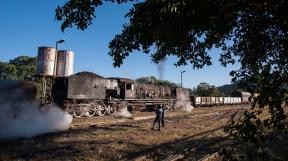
x=46, y=61
x=65, y=61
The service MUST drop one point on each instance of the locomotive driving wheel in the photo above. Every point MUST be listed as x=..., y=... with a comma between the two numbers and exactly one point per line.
x=178, y=108
x=110, y=109
x=81, y=109
x=170, y=106
x=78, y=113
x=167, y=108
x=91, y=111
x=101, y=109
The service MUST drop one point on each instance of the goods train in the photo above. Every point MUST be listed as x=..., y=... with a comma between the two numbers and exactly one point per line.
x=86, y=93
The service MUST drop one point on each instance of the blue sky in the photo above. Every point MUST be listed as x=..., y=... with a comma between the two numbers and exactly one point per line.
x=28, y=24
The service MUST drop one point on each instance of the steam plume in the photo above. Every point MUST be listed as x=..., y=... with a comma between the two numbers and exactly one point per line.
x=183, y=100
x=22, y=117
x=160, y=69
x=123, y=112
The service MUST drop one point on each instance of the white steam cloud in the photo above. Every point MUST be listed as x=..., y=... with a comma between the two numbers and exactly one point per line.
x=29, y=120
x=183, y=100
x=21, y=117
x=185, y=106
x=160, y=70
x=123, y=112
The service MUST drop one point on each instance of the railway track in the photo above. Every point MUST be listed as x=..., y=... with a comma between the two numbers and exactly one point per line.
x=210, y=119
x=208, y=157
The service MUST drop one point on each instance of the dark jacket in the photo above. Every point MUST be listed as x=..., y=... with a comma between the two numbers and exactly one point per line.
x=159, y=113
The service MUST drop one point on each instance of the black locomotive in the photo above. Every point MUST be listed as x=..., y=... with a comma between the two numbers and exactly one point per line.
x=86, y=93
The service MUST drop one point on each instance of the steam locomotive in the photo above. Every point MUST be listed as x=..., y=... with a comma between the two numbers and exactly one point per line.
x=86, y=93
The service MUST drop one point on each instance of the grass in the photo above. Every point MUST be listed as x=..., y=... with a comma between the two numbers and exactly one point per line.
x=110, y=138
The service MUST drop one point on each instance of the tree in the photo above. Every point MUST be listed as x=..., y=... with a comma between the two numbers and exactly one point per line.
x=254, y=33
x=206, y=90
x=19, y=68
x=240, y=86
x=7, y=71
x=26, y=66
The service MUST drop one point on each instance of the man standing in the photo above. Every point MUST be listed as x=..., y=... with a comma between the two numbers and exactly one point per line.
x=159, y=114
x=162, y=118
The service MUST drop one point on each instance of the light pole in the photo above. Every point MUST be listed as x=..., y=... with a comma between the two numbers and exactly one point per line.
x=181, y=76
x=57, y=42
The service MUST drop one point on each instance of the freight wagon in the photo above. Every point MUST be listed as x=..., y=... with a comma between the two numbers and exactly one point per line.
x=237, y=98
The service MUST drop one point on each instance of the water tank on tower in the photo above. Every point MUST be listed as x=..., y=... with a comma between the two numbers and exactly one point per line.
x=46, y=61
x=65, y=61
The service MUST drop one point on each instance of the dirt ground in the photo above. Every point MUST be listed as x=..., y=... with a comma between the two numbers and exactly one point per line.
x=194, y=135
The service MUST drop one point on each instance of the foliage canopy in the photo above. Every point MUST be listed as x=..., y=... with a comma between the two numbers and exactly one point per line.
x=206, y=90
x=19, y=68
x=254, y=33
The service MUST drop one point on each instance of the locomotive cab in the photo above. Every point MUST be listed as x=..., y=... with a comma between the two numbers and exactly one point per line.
x=127, y=88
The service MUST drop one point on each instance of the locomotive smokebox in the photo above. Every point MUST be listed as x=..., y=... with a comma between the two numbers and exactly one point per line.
x=65, y=61
x=17, y=91
x=46, y=61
